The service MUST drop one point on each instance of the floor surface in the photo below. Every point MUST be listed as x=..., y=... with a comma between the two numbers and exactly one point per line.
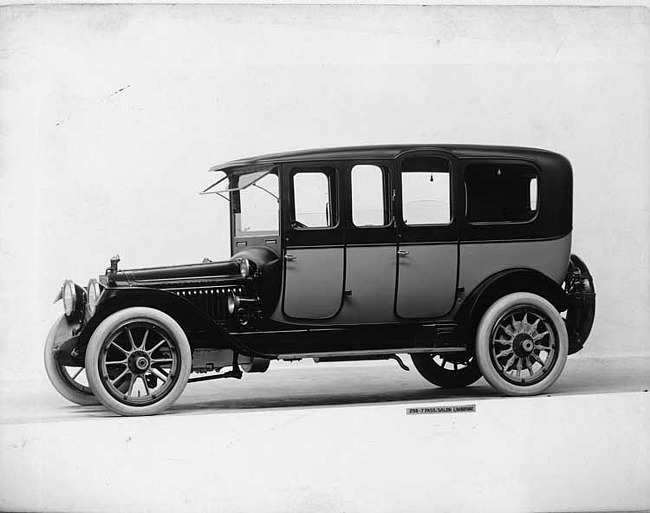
x=337, y=437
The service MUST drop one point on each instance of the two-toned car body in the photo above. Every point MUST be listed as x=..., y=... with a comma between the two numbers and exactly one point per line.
x=459, y=256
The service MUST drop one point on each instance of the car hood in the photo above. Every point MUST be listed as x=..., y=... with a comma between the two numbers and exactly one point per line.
x=225, y=272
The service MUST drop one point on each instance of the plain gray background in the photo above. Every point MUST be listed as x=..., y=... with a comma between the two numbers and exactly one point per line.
x=109, y=119
x=111, y=115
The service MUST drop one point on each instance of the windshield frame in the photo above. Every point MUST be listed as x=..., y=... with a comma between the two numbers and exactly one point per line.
x=233, y=180
x=230, y=188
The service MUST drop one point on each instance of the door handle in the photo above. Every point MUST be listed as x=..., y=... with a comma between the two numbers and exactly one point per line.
x=289, y=257
x=402, y=252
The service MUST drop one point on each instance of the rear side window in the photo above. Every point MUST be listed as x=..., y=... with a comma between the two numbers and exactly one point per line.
x=501, y=193
x=426, y=189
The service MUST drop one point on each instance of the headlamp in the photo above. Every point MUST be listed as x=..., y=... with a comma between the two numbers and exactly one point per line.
x=94, y=291
x=69, y=296
x=232, y=304
x=244, y=267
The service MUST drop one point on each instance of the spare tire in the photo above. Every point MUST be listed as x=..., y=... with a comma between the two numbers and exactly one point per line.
x=581, y=296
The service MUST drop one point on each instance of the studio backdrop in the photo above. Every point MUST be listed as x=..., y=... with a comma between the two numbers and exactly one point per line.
x=110, y=117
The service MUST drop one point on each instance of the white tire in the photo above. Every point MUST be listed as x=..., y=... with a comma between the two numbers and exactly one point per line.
x=521, y=344
x=138, y=361
x=67, y=381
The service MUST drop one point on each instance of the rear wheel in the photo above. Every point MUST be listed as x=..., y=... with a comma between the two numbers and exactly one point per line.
x=452, y=370
x=521, y=344
x=138, y=361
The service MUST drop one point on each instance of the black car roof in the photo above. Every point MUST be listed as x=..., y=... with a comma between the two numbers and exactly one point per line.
x=381, y=152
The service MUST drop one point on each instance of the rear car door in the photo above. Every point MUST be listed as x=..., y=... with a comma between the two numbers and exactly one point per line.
x=314, y=249
x=427, y=251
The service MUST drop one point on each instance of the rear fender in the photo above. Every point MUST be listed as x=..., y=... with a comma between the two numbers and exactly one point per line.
x=501, y=284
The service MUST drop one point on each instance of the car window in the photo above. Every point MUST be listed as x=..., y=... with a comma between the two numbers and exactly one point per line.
x=533, y=193
x=258, y=212
x=426, y=191
x=368, y=198
x=313, y=200
x=501, y=193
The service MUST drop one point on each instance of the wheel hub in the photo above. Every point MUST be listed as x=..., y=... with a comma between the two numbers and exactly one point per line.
x=139, y=362
x=523, y=345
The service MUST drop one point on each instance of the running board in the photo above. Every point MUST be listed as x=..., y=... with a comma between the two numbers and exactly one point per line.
x=372, y=352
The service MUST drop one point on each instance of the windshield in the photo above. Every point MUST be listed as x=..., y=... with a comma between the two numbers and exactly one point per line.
x=223, y=186
x=255, y=200
x=258, y=207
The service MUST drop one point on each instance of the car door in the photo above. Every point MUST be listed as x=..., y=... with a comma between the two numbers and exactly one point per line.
x=427, y=251
x=371, y=241
x=314, y=249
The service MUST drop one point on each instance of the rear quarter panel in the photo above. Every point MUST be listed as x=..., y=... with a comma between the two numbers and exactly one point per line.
x=480, y=260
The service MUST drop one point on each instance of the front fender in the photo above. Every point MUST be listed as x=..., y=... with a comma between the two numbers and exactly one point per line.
x=63, y=338
x=196, y=324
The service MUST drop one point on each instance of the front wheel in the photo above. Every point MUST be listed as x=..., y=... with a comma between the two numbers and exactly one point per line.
x=70, y=382
x=138, y=361
x=521, y=344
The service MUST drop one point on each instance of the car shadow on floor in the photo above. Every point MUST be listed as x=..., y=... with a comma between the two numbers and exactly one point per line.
x=239, y=403
x=338, y=387
x=328, y=399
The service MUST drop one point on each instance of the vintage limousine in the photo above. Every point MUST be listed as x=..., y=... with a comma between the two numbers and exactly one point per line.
x=459, y=256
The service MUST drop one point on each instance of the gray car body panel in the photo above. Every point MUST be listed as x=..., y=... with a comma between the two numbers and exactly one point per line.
x=479, y=261
x=370, y=283
x=426, y=280
x=427, y=293
x=313, y=285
